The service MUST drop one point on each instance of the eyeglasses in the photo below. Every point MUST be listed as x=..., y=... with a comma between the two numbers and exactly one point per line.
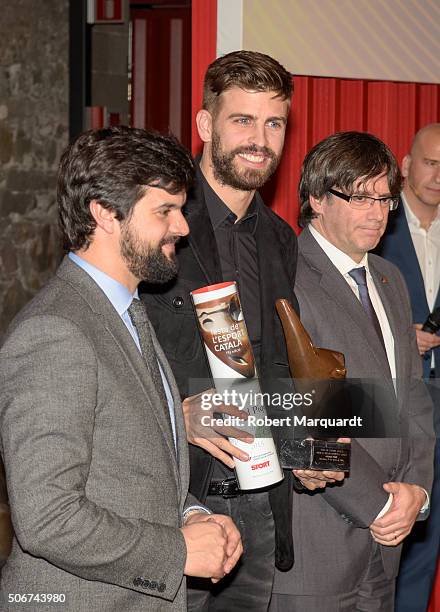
x=363, y=202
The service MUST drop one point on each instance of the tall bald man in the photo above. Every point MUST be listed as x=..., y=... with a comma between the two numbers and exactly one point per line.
x=412, y=242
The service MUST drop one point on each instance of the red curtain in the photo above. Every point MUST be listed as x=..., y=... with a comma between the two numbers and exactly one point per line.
x=434, y=605
x=204, y=46
x=161, y=70
x=320, y=106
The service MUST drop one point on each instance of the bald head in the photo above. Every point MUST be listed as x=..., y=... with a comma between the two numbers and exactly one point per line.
x=430, y=131
x=421, y=169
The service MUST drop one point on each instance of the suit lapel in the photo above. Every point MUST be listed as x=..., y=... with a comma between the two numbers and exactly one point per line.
x=182, y=448
x=113, y=323
x=397, y=246
x=338, y=290
x=201, y=237
x=273, y=286
x=126, y=344
x=388, y=292
x=405, y=244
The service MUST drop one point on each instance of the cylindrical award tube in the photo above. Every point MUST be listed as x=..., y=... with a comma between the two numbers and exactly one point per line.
x=232, y=365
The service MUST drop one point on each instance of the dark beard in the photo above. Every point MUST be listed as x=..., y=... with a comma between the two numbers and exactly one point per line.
x=146, y=263
x=247, y=180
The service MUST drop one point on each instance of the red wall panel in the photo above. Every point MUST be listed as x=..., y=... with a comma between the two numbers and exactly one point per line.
x=161, y=97
x=352, y=105
x=428, y=103
x=321, y=106
x=435, y=596
x=391, y=110
x=204, y=46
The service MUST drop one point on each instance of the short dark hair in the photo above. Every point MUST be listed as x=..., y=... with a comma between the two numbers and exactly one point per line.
x=341, y=160
x=249, y=70
x=114, y=166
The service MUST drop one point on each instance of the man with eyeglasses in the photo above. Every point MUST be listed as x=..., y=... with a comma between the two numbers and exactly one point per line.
x=348, y=535
x=412, y=243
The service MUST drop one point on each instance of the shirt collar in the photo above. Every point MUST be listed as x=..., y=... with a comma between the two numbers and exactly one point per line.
x=412, y=219
x=119, y=296
x=410, y=216
x=218, y=211
x=343, y=262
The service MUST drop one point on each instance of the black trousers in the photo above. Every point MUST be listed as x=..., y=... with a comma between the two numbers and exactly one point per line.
x=248, y=587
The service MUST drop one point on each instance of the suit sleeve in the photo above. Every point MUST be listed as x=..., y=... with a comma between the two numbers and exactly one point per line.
x=47, y=427
x=420, y=467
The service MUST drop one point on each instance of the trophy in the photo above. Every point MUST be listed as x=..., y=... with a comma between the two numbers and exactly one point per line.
x=232, y=364
x=5, y=519
x=322, y=371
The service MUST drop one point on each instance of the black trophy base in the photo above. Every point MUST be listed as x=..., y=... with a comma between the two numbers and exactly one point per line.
x=315, y=455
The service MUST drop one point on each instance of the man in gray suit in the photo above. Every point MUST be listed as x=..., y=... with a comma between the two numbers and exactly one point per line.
x=348, y=536
x=92, y=433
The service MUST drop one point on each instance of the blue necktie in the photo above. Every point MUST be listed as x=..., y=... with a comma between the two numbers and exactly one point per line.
x=359, y=275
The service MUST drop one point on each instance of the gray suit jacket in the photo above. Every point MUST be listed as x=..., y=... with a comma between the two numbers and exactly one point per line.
x=330, y=529
x=96, y=489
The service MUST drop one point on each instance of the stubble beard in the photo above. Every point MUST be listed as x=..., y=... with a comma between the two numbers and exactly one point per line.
x=147, y=263
x=434, y=203
x=248, y=179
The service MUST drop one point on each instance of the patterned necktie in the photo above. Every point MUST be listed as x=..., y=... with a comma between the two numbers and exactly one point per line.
x=359, y=275
x=139, y=318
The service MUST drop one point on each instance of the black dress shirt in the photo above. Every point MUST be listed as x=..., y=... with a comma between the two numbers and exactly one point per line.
x=237, y=250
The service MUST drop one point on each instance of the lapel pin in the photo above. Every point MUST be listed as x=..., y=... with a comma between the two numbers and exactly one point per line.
x=384, y=280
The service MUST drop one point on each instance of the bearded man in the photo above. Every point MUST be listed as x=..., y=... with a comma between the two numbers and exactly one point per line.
x=92, y=432
x=234, y=237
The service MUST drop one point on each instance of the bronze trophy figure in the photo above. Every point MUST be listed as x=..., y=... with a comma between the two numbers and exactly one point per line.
x=321, y=371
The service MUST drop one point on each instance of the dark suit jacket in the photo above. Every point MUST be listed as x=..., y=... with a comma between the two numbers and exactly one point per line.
x=171, y=312
x=397, y=246
x=97, y=491
x=333, y=545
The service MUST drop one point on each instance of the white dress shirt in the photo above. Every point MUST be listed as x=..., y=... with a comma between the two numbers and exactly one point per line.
x=427, y=247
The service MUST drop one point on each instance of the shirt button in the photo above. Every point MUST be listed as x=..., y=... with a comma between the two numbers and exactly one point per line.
x=178, y=302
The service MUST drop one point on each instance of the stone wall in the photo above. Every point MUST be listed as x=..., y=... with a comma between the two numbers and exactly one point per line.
x=33, y=132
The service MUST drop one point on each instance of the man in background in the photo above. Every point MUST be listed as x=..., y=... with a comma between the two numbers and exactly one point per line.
x=412, y=243
x=92, y=432
x=348, y=535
